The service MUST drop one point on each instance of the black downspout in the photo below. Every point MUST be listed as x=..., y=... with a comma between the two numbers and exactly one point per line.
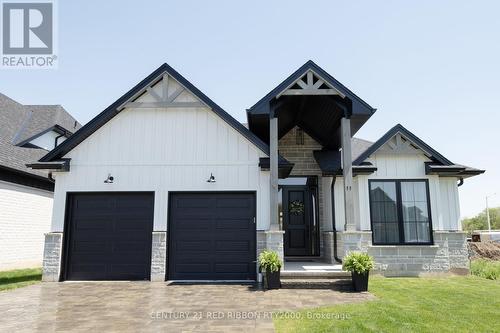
x=57, y=139
x=334, y=228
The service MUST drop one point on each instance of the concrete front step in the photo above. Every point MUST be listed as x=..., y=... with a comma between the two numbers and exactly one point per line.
x=313, y=275
x=336, y=284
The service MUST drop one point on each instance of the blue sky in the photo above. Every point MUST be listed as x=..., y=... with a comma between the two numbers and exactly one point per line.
x=432, y=66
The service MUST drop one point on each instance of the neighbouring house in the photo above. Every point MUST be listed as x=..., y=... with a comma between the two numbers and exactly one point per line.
x=27, y=133
x=166, y=185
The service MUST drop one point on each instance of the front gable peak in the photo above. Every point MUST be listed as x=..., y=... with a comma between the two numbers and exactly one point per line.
x=163, y=88
x=311, y=83
x=400, y=141
x=401, y=145
x=164, y=92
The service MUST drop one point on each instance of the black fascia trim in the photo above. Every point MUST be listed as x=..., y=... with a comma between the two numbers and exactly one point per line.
x=412, y=137
x=451, y=170
x=363, y=169
x=437, y=169
x=472, y=172
x=400, y=211
x=63, y=165
x=26, y=179
x=309, y=65
x=112, y=110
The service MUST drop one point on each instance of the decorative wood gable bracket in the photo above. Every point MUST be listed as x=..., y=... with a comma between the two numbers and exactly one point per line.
x=400, y=145
x=310, y=84
x=164, y=99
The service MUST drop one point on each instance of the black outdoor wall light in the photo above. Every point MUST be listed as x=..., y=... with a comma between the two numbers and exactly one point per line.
x=110, y=179
x=211, y=179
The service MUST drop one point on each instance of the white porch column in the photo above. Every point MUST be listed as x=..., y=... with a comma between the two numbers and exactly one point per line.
x=274, y=236
x=273, y=166
x=350, y=224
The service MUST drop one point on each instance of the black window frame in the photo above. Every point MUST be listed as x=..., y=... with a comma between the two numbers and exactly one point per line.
x=400, y=211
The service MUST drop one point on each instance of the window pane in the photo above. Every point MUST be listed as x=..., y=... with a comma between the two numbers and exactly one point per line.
x=384, y=212
x=392, y=233
x=378, y=233
x=407, y=192
x=415, y=212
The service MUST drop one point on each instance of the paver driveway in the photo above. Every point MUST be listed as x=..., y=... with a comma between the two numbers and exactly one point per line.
x=146, y=306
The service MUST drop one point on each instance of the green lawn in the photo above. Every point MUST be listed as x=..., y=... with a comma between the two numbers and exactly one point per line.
x=453, y=304
x=485, y=268
x=19, y=278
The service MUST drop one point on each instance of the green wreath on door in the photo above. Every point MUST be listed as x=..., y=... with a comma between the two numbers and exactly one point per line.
x=296, y=207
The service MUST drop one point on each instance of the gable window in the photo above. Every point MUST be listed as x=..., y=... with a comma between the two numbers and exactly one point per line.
x=400, y=212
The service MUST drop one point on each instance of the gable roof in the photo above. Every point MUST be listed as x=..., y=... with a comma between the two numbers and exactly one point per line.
x=115, y=108
x=433, y=154
x=358, y=105
x=19, y=123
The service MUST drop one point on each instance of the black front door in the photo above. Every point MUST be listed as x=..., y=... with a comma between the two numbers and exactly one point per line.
x=297, y=217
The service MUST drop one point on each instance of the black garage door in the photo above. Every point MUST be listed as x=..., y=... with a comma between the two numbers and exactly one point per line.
x=109, y=236
x=212, y=236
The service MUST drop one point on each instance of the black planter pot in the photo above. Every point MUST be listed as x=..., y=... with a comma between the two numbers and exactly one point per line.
x=273, y=280
x=360, y=281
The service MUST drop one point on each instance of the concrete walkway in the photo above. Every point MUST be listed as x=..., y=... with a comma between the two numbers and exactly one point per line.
x=147, y=307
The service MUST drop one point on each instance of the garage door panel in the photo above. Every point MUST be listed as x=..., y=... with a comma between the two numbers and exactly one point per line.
x=232, y=213
x=201, y=202
x=126, y=205
x=130, y=224
x=192, y=245
x=112, y=241
x=231, y=245
x=92, y=224
x=95, y=203
x=195, y=267
x=240, y=268
x=217, y=242
x=93, y=270
x=88, y=247
x=230, y=202
x=233, y=224
x=193, y=224
x=131, y=247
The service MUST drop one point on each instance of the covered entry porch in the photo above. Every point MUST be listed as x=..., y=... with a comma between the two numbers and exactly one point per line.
x=309, y=121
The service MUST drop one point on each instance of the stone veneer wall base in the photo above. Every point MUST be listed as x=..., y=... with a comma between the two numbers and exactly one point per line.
x=274, y=242
x=52, y=254
x=448, y=255
x=159, y=256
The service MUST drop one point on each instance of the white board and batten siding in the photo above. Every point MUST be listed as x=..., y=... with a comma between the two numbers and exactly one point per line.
x=443, y=191
x=164, y=150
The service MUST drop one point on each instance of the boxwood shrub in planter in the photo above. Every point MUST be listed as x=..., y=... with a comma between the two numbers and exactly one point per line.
x=270, y=263
x=359, y=264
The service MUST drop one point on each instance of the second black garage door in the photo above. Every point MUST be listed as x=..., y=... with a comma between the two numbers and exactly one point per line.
x=212, y=236
x=108, y=236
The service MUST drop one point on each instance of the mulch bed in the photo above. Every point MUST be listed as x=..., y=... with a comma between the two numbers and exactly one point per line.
x=484, y=250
